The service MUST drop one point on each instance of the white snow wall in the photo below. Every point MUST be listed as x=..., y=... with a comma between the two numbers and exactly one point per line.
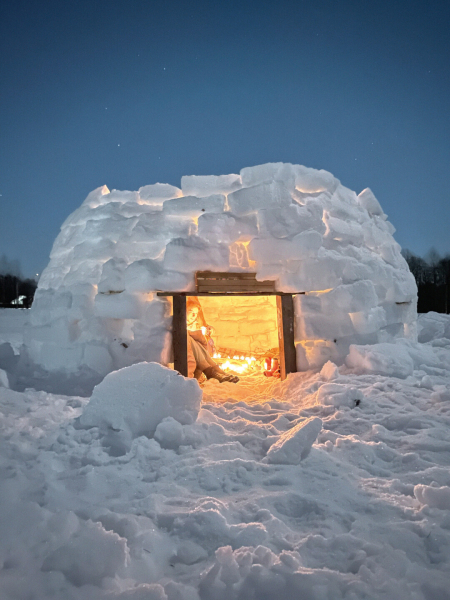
x=96, y=306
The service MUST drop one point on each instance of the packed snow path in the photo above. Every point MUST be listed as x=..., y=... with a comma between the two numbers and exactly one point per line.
x=202, y=512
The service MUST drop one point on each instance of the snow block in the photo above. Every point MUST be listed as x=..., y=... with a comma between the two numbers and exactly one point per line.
x=351, y=297
x=194, y=254
x=261, y=173
x=312, y=181
x=149, y=275
x=119, y=306
x=158, y=193
x=319, y=326
x=191, y=206
x=226, y=229
x=370, y=320
x=391, y=360
x=205, y=185
x=313, y=354
x=285, y=221
x=272, y=251
x=265, y=195
x=367, y=199
x=97, y=197
x=329, y=371
x=295, y=444
x=135, y=399
x=112, y=276
x=343, y=231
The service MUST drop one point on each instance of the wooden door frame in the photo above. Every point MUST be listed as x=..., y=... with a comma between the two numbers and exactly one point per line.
x=211, y=283
x=285, y=319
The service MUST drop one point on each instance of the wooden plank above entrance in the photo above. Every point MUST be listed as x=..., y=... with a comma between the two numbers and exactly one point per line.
x=211, y=282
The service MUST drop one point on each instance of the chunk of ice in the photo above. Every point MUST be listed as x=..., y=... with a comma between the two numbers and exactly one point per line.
x=295, y=444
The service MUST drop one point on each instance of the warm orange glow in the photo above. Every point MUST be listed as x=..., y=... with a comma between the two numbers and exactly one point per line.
x=320, y=291
x=235, y=367
x=245, y=329
x=237, y=364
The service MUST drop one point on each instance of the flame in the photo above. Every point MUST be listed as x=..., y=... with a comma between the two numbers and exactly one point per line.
x=247, y=363
x=235, y=368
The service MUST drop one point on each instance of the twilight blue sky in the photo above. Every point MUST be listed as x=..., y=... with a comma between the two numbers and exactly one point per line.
x=128, y=93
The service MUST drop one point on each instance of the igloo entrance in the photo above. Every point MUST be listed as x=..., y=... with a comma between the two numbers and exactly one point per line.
x=250, y=321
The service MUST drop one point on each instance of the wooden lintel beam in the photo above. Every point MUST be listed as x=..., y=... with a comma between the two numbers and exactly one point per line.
x=228, y=293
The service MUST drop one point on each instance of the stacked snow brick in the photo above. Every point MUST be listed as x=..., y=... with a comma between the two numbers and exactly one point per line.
x=96, y=305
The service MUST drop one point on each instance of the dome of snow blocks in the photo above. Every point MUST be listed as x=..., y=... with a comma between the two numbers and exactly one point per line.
x=97, y=307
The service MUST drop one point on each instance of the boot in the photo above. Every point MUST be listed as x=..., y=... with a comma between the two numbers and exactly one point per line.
x=221, y=376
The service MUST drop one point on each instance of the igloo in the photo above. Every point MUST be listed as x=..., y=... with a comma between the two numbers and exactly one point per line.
x=124, y=262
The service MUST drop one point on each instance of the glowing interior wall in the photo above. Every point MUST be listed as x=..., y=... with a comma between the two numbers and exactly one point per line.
x=242, y=323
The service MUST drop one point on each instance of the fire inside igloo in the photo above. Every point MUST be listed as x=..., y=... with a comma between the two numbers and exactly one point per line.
x=110, y=295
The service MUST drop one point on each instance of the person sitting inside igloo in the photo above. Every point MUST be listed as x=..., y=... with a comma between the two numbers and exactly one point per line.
x=200, y=346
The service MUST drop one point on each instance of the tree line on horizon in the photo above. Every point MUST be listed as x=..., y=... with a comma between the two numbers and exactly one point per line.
x=432, y=275
x=13, y=288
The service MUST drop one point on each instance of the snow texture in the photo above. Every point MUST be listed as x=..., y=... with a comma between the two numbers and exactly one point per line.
x=198, y=512
x=133, y=401
x=96, y=308
x=294, y=445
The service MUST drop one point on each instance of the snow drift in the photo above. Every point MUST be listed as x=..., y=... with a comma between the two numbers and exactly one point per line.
x=354, y=505
x=132, y=402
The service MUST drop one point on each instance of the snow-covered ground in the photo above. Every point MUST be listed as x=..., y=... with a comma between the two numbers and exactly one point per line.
x=12, y=322
x=236, y=504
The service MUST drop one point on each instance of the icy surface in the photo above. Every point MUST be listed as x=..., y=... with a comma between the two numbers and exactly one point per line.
x=197, y=512
x=96, y=308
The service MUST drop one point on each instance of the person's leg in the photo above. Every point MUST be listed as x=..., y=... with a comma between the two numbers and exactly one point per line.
x=202, y=358
x=205, y=364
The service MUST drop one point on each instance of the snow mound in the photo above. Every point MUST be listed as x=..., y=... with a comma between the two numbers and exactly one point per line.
x=435, y=497
x=329, y=371
x=398, y=359
x=132, y=402
x=295, y=444
x=260, y=573
x=380, y=359
x=433, y=326
x=335, y=394
x=89, y=554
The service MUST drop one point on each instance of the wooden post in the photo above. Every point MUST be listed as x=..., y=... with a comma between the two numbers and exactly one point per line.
x=285, y=313
x=179, y=334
